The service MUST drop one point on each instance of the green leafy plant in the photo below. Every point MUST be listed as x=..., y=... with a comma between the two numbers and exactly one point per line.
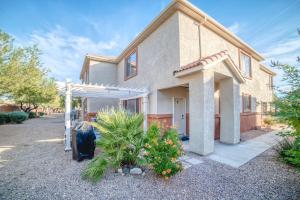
x=289, y=149
x=121, y=141
x=269, y=121
x=31, y=115
x=41, y=114
x=18, y=116
x=288, y=111
x=4, y=118
x=163, y=150
x=22, y=77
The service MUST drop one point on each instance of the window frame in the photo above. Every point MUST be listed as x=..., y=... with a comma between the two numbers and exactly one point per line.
x=264, y=108
x=270, y=82
x=241, y=53
x=125, y=64
x=243, y=101
x=137, y=100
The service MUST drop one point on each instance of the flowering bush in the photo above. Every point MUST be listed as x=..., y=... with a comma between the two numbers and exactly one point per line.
x=162, y=151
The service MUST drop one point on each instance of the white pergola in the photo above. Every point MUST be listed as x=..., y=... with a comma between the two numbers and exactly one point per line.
x=98, y=91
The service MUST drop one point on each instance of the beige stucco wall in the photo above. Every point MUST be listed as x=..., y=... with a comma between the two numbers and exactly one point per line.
x=165, y=99
x=101, y=73
x=212, y=43
x=174, y=44
x=158, y=56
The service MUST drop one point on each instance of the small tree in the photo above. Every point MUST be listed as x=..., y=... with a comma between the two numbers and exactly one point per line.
x=288, y=110
x=22, y=77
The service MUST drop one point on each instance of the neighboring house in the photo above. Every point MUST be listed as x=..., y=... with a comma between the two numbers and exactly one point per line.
x=202, y=78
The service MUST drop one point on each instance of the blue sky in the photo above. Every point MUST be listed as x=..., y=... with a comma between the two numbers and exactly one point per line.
x=66, y=30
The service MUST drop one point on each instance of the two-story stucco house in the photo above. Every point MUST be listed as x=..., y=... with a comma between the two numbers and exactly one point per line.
x=203, y=79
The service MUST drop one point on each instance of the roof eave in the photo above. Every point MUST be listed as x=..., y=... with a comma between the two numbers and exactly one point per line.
x=200, y=67
x=89, y=57
x=266, y=69
x=197, y=14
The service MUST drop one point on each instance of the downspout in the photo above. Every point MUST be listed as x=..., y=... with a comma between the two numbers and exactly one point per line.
x=199, y=33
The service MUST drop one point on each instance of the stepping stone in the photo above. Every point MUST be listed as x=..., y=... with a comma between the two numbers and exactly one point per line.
x=184, y=158
x=193, y=161
x=186, y=165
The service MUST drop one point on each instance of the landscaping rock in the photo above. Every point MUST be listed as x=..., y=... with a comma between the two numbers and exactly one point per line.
x=136, y=171
x=126, y=170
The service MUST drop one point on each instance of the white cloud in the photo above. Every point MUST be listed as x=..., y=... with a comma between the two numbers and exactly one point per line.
x=235, y=28
x=63, y=52
x=285, y=50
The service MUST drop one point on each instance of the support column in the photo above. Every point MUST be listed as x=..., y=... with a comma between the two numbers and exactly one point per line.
x=230, y=111
x=201, y=93
x=120, y=104
x=145, y=111
x=68, y=100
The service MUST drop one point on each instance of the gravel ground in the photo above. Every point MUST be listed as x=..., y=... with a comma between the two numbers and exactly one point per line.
x=253, y=134
x=33, y=165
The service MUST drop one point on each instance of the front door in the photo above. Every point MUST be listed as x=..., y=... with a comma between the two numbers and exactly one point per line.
x=179, y=118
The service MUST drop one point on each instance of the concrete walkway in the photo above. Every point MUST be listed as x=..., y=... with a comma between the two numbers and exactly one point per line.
x=239, y=154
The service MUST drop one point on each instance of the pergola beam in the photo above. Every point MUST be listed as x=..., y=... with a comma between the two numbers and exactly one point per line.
x=99, y=91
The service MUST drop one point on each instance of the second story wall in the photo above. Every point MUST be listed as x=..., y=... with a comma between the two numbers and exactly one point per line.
x=212, y=43
x=157, y=57
x=102, y=73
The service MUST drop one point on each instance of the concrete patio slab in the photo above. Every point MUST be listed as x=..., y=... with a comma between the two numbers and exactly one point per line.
x=239, y=154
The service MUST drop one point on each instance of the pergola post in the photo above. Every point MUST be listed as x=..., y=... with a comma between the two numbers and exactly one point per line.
x=120, y=104
x=68, y=115
x=145, y=111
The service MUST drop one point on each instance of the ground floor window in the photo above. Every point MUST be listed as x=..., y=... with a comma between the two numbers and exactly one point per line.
x=132, y=105
x=246, y=103
x=264, y=108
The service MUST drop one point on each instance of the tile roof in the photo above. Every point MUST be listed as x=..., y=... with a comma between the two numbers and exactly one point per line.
x=203, y=61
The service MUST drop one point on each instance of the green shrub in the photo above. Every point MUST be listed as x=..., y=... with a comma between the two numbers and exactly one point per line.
x=292, y=156
x=289, y=149
x=41, y=114
x=4, y=118
x=121, y=141
x=31, y=115
x=269, y=121
x=163, y=150
x=18, y=116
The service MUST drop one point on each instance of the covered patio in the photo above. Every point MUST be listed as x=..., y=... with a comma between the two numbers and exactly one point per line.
x=71, y=90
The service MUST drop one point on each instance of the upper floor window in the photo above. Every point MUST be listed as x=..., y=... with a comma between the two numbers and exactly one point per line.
x=131, y=65
x=246, y=65
x=246, y=103
x=270, y=82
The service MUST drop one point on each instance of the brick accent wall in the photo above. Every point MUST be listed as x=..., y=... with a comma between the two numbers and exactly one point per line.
x=89, y=116
x=250, y=121
x=163, y=120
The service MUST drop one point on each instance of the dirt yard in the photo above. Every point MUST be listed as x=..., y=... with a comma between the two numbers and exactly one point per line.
x=33, y=165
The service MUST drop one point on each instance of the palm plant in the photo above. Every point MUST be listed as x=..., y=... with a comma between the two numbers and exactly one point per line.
x=121, y=141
